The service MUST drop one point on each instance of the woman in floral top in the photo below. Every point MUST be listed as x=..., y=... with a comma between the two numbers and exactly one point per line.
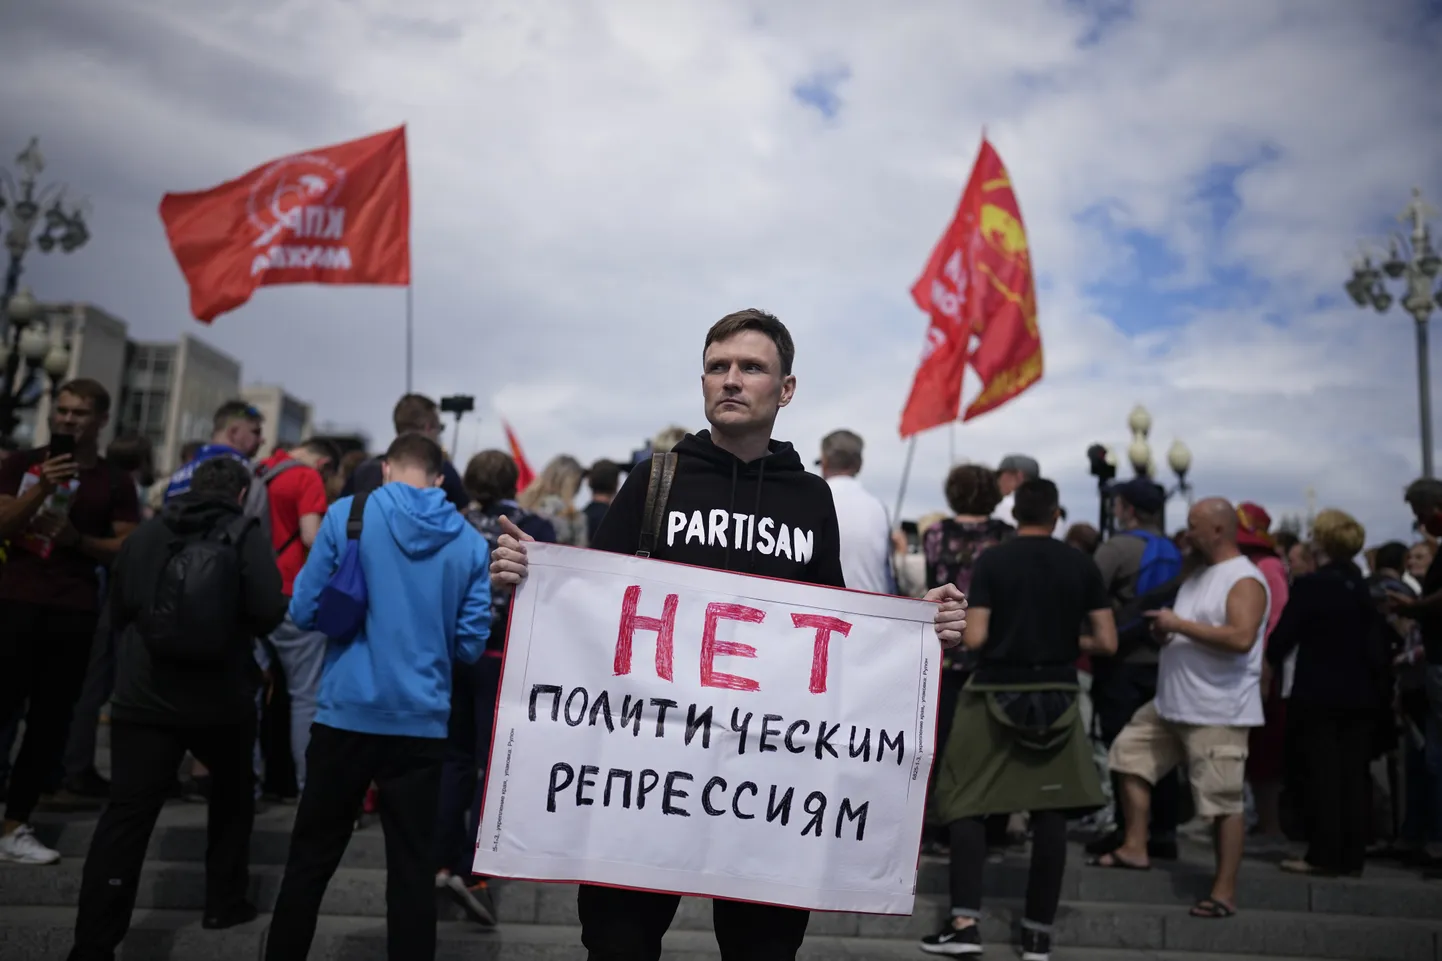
x=951, y=547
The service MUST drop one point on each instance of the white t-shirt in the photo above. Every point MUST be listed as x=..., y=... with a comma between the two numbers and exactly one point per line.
x=1197, y=684
x=865, y=536
x=1003, y=510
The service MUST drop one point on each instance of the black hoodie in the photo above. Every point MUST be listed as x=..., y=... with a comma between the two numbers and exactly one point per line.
x=768, y=517
x=160, y=692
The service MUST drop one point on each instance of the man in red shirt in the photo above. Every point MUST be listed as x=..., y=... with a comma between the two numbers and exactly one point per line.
x=65, y=511
x=295, y=482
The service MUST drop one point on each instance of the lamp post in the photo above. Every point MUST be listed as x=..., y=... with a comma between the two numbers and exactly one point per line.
x=1139, y=453
x=1415, y=260
x=25, y=336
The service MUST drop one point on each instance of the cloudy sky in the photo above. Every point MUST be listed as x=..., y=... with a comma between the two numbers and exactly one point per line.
x=595, y=183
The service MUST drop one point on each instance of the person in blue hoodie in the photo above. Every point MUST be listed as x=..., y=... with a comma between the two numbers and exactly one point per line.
x=385, y=696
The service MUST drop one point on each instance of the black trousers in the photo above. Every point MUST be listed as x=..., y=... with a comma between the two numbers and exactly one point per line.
x=1118, y=690
x=1043, y=880
x=1336, y=748
x=340, y=765
x=468, y=744
x=44, y=652
x=143, y=762
x=618, y=925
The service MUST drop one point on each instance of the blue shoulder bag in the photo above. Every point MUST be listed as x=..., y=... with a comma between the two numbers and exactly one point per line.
x=341, y=608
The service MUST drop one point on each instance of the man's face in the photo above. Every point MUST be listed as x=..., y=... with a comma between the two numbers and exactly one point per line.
x=1202, y=531
x=742, y=384
x=1008, y=481
x=76, y=416
x=244, y=435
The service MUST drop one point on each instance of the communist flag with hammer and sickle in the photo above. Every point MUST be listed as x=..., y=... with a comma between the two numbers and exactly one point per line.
x=979, y=284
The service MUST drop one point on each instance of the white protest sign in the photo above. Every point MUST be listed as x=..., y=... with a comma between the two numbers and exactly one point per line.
x=678, y=729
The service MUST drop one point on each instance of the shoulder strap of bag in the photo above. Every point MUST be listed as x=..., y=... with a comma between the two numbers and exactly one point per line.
x=268, y=474
x=658, y=491
x=356, y=520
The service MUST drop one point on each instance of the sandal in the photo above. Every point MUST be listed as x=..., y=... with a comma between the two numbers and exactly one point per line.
x=1110, y=860
x=1212, y=909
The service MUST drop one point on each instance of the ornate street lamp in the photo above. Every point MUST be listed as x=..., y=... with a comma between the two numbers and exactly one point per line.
x=27, y=205
x=1144, y=464
x=1415, y=260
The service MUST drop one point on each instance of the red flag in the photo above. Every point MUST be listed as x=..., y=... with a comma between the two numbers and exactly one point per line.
x=524, y=474
x=336, y=215
x=978, y=282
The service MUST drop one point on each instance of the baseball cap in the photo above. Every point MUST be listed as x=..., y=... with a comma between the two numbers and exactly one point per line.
x=1145, y=495
x=844, y=442
x=1022, y=464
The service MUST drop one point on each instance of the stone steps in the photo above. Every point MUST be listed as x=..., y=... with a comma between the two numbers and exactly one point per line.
x=360, y=893
x=1390, y=915
x=1383, y=893
x=43, y=934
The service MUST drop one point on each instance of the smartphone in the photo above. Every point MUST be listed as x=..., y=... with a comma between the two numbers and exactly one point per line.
x=61, y=445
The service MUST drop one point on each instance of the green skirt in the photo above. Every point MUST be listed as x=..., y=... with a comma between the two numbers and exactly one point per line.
x=1016, y=747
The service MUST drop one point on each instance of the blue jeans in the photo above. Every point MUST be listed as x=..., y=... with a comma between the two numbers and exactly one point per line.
x=302, y=655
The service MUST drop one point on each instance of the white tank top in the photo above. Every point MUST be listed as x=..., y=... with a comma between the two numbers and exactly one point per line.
x=1197, y=684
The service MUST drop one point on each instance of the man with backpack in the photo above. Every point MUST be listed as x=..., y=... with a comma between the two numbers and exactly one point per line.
x=737, y=470
x=490, y=479
x=1141, y=569
x=192, y=589
x=295, y=487
x=397, y=580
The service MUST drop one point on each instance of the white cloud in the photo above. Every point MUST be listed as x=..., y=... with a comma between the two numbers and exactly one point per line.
x=594, y=183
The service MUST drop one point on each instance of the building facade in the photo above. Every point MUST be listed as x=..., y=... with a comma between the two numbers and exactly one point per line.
x=172, y=391
x=287, y=419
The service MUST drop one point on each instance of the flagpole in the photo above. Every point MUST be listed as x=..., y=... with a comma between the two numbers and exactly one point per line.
x=905, y=476
x=409, y=337
x=951, y=441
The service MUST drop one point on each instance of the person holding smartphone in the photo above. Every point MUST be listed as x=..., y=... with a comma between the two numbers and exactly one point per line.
x=65, y=511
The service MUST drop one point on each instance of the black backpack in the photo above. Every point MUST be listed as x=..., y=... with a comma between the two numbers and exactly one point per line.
x=193, y=613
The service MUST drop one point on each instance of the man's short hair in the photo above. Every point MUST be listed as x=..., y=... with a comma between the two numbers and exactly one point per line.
x=1037, y=503
x=603, y=477
x=971, y=490
x=417, y=450
x=87, y=389
x=759, y=321
x=234, y=410
x=1021, y=464
x=132, y=453
x=1424, y=493
x=667, y=438
x=220, y=479
x=414, y=413
x=1392, y=556
x=321, y=447
x=841, y=449
x=491, y=476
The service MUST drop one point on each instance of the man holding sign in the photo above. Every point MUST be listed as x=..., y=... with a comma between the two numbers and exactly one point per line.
x=728, y=499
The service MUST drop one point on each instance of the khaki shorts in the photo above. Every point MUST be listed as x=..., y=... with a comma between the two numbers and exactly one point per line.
x=1216, y=758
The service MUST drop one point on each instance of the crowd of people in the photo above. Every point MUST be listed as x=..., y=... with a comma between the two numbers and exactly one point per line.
x=1140, y=684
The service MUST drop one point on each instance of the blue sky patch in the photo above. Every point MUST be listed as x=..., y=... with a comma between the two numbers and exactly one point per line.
x=821, y=91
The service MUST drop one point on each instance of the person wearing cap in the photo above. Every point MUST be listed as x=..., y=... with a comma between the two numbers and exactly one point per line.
x=1266, y=749
x=1123, y=683
x=1014, y=470
x=865, y=531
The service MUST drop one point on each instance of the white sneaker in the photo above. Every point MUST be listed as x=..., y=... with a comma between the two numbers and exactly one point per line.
x=21, y=847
